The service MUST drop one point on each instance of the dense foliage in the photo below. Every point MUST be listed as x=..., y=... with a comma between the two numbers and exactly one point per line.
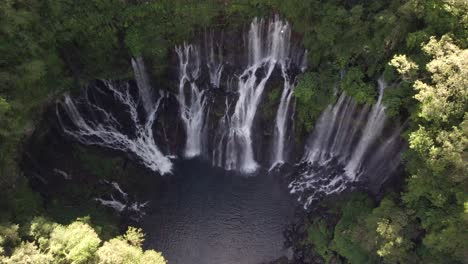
x=419, y=46
x=42, y=242
x=428, y=222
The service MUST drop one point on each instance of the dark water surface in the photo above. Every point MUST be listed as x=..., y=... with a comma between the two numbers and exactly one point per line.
x=205, y=215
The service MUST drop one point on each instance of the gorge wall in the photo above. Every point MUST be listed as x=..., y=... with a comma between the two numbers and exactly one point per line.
x=221, y=107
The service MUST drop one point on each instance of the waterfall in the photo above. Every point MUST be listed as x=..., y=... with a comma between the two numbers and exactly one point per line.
x=263, y=56
x=143, y=83
x=268, y=48
x=192, y=108
x=337, y=153
x=385, y=160
x=88, y=120
x=281, y=125
x=212, y=69
x=220, y=137
x=317, y=150
x=214, y=60
x=350, y=143
x=374, y=126
x=282, y=115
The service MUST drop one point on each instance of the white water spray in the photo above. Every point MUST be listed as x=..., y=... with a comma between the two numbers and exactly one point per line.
x=192, y=108
x=337, y=152
x=214, y=60
x=143, y=83
x=374, y=126
x=263, y=57
x=122, y=203
x=283, y=113
x=92, y=124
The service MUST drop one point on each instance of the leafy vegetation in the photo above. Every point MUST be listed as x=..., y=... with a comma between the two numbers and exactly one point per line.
x=42, y=242
x=428, y=222
x=312, y=95
x=320, y=235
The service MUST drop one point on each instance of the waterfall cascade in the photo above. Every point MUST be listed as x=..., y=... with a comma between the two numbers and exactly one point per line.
x=372, y=130
x=345, y=147
x=215, y=59
x=143, y=83
x=191, y=99
x=281, y=126
x=239, y=150
x=202, y=69
x=284, y=112
x=269, y=46
x=90, y=121
x=219, y=93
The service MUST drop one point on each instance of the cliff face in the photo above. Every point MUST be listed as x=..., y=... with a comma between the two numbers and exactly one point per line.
x=234, y=95
x=228, y=100
x=221, y=104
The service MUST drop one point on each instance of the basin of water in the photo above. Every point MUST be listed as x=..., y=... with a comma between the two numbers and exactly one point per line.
x=206, y=215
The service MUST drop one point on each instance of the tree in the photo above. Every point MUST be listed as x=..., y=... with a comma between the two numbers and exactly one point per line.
x=355, y=86
x=28, y=253
x=9, y=237
x=350, y=237
x=49, y=242
x=313, y=93
x=446, y=97
x=75, y=243
x=393, y=229
x=437, y=160
x=40, y=229
x=126, y=249
x=404, y=66
x=320, y=235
